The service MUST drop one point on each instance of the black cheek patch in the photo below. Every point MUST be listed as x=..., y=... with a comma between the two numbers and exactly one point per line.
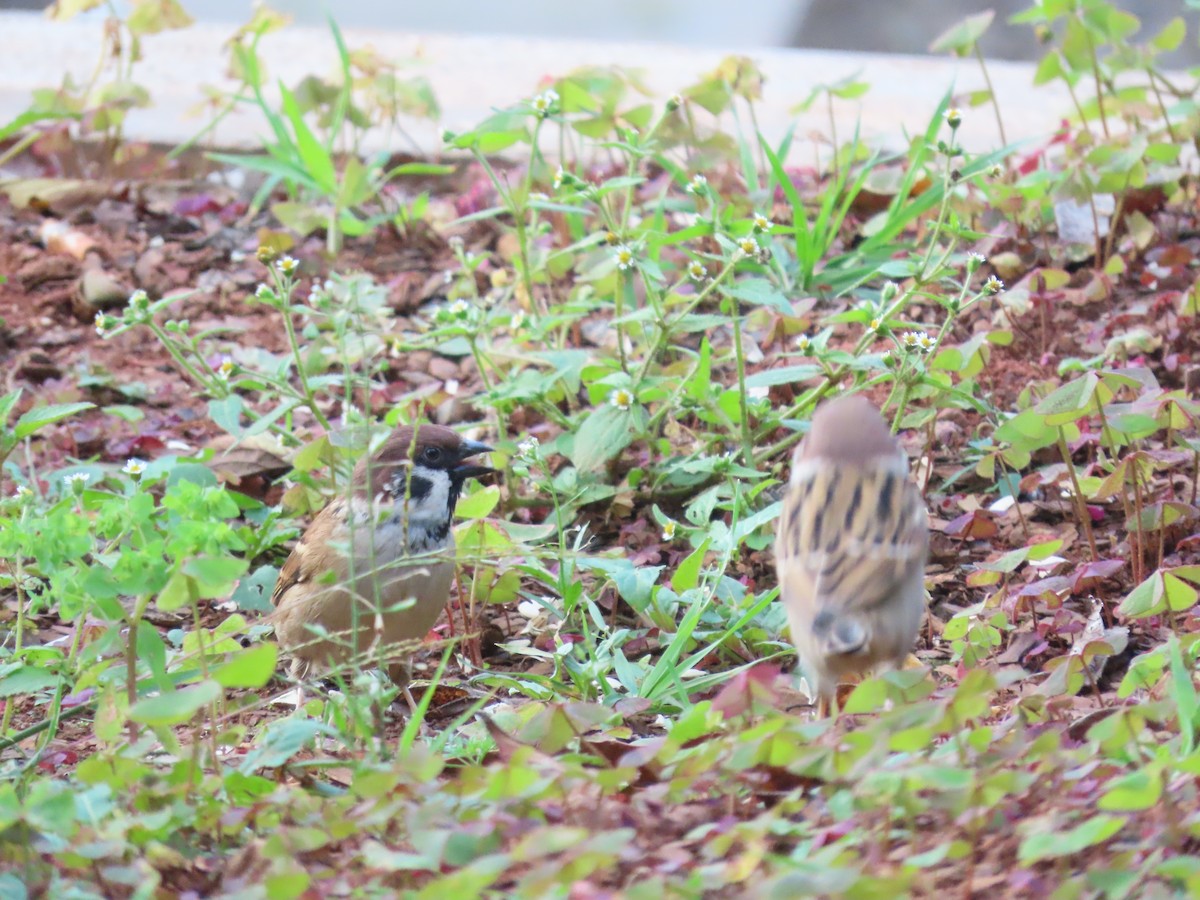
x=419, y=488
x=415, y=488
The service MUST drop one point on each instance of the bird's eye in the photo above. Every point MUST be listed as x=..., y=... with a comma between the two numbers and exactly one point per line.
x=432, y=454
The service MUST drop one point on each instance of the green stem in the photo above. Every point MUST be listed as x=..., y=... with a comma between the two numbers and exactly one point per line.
x=664, y=328
x=744, y=405
x=310, y=399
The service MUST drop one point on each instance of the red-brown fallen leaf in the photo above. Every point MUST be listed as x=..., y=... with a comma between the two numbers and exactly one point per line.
x=739, y=694
x=1051, y=591
x=51, y=762
x=147, y=446
x=977, y=525
x=1090, y=574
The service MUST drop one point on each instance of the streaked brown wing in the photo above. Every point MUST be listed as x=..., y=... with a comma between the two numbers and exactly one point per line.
x=306, y=561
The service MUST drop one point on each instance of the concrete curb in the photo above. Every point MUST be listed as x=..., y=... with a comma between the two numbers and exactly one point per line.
x=472, y=75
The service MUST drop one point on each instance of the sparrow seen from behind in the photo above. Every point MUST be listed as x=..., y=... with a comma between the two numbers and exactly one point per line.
x=850, y=549
x=373, y=571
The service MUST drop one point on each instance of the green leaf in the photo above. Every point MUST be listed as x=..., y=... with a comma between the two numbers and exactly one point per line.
x=1171, y=36
x=253, y=592
x=783, y=375
x=867, y=696
x=1137, y=790
x=27, y=680
x=7, y=402
x=318, y=164
x=302, y=218
x=478, y=504
x=687, y=576
x=249, y=668
x=281, y=740
x=1072, y=400
x=174, y=707
x=1050, y=843
x=179, y=591
x=601, y=437
x=227, y=413
x=760, y=292
x=215, y=575
x=1183, y=692
x=961, y=37
x=312, y=455
x=44, y=415
x=153, y=651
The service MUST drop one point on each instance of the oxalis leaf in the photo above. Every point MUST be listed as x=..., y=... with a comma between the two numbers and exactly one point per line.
x=602, y=436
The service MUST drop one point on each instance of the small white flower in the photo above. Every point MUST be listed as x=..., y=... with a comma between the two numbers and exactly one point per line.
x=918, y=340
x=993, y=285
x=621, y=398
x=134, y=468
x=544, y=103
x=104, y=324
x=876, y=324
x=139, y=301
x=698, y=185
x=287, y=265
x=762, y=223
x=76, y=480
x=528, y=448
x=225, y=369
x=668, y=532
x=559, y=174
x=460, y=308
x=262, y=291
x=519, y=320
x=674, y=101
x=22, y=492
x=696, y=270
x=803, y=343
x=954, y=117
x=748, y=246
x=623, y=254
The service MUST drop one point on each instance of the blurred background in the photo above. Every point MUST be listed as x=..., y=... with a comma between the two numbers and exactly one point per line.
x=889, y=26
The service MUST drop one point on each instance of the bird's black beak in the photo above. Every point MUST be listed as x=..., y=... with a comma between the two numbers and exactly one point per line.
x=467, y=450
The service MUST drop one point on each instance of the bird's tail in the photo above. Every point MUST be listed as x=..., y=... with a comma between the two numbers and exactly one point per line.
x=842, y=635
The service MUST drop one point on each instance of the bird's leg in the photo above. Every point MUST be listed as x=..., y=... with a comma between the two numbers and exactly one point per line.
x=401, y=675
x=412, y=703
x=296, y=671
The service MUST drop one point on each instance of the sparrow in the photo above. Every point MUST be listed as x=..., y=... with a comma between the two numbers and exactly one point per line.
x=373, y=571
x=850, y=548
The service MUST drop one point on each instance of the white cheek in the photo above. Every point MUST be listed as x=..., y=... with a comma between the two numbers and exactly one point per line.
x=430, y=510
